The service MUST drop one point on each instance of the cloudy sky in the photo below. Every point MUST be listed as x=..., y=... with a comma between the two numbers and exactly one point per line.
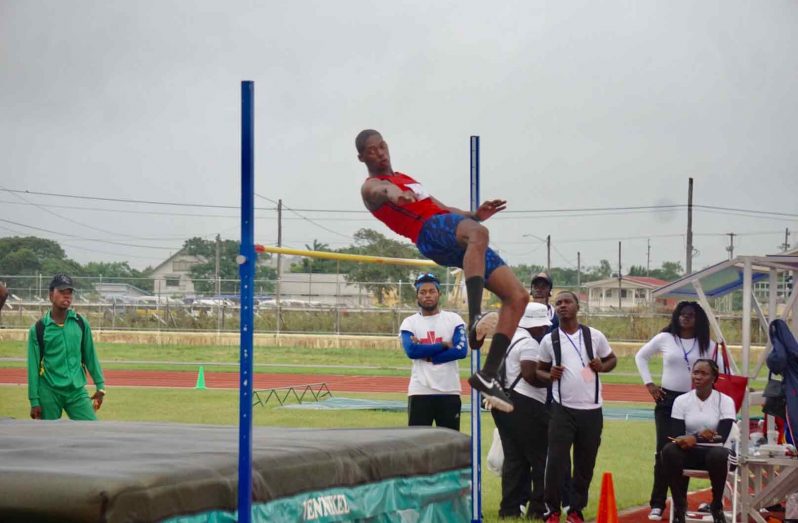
x=119, y=121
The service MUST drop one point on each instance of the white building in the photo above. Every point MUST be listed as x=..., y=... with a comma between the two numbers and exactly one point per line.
x=635, y=292
x=173, y=276
x=318, y=288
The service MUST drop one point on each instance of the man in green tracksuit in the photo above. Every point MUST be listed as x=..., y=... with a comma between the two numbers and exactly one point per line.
x=56, y=379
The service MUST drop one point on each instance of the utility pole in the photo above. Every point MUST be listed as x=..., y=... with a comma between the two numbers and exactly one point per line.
x=730, y=248
x=578, y=269
x=786, y=245
x=278, y=318
x=689, y=257
x=218, y=261
x=279, y=236
x=548, y=254
x=648, y=257
x=219, y=311
x=620, y=276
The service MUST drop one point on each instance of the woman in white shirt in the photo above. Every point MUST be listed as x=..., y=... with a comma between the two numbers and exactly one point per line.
x=681, y=343
x=701, y=421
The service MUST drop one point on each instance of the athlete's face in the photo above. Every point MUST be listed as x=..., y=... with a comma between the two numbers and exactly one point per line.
x=61, y=298
x=376, y=155
x=428, y=296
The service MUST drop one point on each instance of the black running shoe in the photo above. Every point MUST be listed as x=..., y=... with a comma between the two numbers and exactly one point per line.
x=493, y=393
x=484, y=326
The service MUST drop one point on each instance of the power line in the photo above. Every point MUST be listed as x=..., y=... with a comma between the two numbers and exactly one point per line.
x=105, y=252
x=133, y=211
x=185, y=214
x=66, y=242
x=305, y=218
x=759, y=216
x=568, y=261
x=123, y=200
x=622, y=208
x=785, y=214
x=565, y=214
x=65, y=218
x=109, y=242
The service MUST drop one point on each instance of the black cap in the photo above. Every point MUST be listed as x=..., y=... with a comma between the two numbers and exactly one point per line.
x=61, y=281
x=543, y=276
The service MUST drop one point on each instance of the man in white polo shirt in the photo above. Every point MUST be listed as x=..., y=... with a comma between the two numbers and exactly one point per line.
x=434, y=340
x=571, y=358
x=524, y=431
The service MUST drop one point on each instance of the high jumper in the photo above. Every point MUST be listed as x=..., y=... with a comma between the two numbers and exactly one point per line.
x=452, y=238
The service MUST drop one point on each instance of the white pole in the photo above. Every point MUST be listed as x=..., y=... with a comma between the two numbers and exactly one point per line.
x=744, y=430
x=773, y=292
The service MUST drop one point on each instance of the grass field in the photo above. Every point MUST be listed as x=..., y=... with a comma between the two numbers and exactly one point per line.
x=626, y=451
x=344, y=361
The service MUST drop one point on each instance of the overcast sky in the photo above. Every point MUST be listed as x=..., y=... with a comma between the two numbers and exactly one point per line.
x=579, y=105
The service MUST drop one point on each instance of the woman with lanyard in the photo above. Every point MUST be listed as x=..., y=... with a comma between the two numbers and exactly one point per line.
x=701, y=422
x=684, y=341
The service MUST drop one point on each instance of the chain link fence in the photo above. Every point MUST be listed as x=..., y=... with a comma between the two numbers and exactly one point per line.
x=296, y=303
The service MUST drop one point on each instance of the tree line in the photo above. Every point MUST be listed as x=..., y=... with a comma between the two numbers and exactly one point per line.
x=31, y=256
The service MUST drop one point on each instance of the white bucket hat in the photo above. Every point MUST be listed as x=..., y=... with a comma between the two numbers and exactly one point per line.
x=535, y=315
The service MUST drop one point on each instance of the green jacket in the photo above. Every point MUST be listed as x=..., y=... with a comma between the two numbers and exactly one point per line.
x=62, y=367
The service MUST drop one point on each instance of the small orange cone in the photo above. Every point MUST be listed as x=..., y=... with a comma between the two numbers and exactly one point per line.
x=607, y=509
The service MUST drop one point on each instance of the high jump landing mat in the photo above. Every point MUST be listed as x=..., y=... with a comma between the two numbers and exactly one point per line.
x=121, y=471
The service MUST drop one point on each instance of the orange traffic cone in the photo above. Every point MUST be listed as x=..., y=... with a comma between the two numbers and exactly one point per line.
x=607, y=509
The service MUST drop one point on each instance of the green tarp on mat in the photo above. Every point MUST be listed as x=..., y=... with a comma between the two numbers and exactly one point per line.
x=110, y=471
x=440, y=497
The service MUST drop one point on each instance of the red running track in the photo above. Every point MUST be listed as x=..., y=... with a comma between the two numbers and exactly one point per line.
x=336, y=383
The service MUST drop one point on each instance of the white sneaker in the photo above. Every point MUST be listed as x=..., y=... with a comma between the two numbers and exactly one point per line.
x=491, y=390
x=655, y=514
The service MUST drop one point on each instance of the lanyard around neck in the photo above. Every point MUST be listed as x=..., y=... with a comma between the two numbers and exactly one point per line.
x=686, y=353
x=577, y=349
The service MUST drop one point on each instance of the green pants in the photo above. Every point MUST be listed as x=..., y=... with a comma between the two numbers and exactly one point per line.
x=76, y=403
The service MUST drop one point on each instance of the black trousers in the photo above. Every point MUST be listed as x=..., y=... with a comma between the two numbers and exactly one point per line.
x=712, y=459
x=443, y=410
x=662, y=418
x=524, y=435
x=580, y=429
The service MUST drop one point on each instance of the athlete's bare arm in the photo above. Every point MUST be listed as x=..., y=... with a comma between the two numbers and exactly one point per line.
x=485, y=211
x=376, y=192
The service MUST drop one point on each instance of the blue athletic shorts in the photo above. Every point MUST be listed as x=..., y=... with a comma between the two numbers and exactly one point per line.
x=438, y=242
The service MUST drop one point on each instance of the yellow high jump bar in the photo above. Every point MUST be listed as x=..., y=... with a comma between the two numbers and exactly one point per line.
x=362, y=258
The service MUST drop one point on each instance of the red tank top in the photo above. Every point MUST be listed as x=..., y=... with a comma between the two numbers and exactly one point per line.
x=407, y=219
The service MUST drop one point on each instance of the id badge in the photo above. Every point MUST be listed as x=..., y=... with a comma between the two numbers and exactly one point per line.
x=588, y=375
